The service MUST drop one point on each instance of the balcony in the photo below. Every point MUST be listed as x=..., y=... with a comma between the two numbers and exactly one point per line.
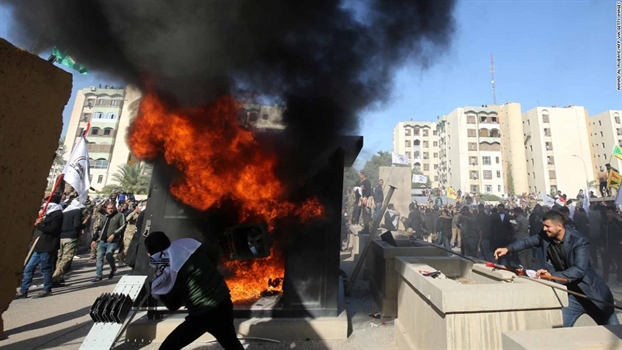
x=95, y=148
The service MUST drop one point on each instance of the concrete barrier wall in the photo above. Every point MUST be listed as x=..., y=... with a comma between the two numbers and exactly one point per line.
x=33, y=93
x=469, y=307
x=595, y=337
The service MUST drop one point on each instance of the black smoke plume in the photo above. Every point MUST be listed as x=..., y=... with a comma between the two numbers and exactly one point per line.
x=326, y=60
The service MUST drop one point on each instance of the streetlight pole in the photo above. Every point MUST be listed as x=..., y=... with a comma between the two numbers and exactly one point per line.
x=587, y=179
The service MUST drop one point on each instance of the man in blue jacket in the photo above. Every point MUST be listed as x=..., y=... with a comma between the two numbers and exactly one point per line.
x=568, y=255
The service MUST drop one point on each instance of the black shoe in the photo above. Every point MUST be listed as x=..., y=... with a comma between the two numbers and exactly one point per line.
x=58, y=284
x=19, y=295
x=111, y=275
x=96, y=279
x=43, y=294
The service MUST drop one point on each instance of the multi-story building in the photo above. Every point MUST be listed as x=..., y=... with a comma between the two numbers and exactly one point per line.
x=605, y=131
x=419, y=141
x=110, y=111
x=557, y=149
x=513, y=158
x=470, y=150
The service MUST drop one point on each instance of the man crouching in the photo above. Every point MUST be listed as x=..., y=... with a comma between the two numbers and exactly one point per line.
x=186, y=276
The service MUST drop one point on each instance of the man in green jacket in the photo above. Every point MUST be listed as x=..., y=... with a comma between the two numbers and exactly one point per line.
x=185, y=275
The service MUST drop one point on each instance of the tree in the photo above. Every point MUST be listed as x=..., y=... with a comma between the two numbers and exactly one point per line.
x=350, y=178
x=372, y=167
x=58, y=164
x=132, y=178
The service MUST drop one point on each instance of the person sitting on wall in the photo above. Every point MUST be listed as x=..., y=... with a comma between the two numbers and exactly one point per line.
x=568, y=256
x=186, y=275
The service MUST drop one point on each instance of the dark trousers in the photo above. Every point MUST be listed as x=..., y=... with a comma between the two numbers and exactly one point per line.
x=603, y=188
x=218, y=322
x=594, y=248
x=610, y=254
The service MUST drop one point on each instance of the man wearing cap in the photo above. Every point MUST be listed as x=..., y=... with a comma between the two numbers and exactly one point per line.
x=185, y=275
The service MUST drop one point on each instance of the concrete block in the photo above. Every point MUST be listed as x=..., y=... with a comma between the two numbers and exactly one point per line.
x=383, y=279
x=595, y=337
x=33, y=94
x=469, y=306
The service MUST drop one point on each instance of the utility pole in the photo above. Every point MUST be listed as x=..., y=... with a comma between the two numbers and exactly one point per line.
x=492, y=81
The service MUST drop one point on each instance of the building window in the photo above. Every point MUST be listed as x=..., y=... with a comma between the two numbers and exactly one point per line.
x=416, y=154
x=426, y=167
x=435, y=166
x=95, y=131
x=115, y=103
x=497, y=160
x=473, y=160
x=599, y=123
x=435, y=155
x=407, y=132
x=425, y=144
x=416, y=131
x=407, y=143
x=472, y=146
x=601, y=134
x=549, y=160
x=488, y=188
x=426, y=155
x=471, y=132
x=552, y=174
x=425, y=132
x=473, y=175
x=549, y=146
x=107, y=131
x=89, y=103
x=486, y=160
x=434, y=133
x=547, y=132
x=482, y=119
x=493, y=119
x=86, y=117
x=435, y=178
x=98, y=115
x=617, y=119
x=545, y=118
x=498, y=174
x=474, y=188
x=435, y=144
x=470, y=119
x=487, y=174
x=603, y=145
x=416, y=142
x=498, y=188
x=100, y=178
x=408, y=155
x=111, y=116
x=100, y=163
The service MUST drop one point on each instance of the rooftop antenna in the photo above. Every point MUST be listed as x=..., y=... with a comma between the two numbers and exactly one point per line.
x=492, y=81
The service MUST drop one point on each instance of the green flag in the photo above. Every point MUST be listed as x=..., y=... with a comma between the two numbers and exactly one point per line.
x=617, y=152
x=66, y=60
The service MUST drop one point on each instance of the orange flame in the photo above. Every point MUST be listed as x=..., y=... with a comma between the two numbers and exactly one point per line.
x=219, y=159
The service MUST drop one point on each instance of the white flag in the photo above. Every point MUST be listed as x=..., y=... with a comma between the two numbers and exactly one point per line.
x=547, y=200
x=586, y=201
x=399, y=159
x=421, y=179
x=77, y=170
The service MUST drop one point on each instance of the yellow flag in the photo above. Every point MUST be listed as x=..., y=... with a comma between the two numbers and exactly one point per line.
x=614, y=179
x=617, y=152
x=451, y=193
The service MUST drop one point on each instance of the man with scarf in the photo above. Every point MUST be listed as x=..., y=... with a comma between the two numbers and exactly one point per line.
x=47, y=241
x=185, y=275
x=70, y=232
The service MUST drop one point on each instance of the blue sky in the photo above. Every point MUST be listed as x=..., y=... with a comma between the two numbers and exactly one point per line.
x=546, y=53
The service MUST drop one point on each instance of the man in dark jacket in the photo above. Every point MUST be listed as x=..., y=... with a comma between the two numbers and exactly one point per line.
x=483, y=223
x=612, y=243
x=106, y=239
x=185, y=275
x=47, y=242
x=569, y=254
x=378, y=198
x=469, y=231
x=502, y=230
x=70, y=232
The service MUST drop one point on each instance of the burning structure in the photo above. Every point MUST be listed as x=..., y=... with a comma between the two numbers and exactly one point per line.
x=325, y=61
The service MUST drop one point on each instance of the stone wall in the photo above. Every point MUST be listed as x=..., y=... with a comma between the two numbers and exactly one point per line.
x=33, y=94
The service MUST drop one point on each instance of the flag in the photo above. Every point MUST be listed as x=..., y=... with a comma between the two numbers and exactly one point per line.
x=399, y=159
x=547, y=200
x=614, y=179
x=66, y=60
x=586, y=201
x=77, y=170
x=420, y=179
x=617, y=152
x=451, y=193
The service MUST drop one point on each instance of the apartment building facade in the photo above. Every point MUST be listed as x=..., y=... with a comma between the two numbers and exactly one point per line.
x=470, y=150
x=513, y=157
x=419, y=141
x=605, y=132
x=109, y=110
x=557, y=149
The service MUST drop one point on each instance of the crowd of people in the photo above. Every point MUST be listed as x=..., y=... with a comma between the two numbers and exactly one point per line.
x=106, y=226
